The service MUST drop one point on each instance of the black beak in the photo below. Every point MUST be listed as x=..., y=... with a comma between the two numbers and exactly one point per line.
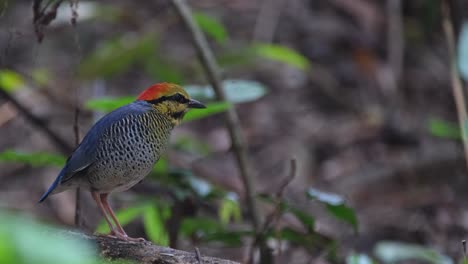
x=195, y=104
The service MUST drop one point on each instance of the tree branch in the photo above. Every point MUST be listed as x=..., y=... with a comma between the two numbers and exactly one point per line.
x=145, y=252
x=62, y=145
x=212, y=70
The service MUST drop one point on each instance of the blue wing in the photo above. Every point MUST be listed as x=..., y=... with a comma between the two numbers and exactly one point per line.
x=85, y=154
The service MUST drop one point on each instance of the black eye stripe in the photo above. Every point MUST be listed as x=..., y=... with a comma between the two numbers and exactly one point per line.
x=175, y=97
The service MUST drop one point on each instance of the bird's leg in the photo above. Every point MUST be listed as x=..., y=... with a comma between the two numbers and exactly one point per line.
x=97, y=198
x=121, y=233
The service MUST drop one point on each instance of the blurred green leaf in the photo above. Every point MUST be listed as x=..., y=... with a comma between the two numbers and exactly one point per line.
x=335, y=205
x=107, y=104
x=162, y=166
x=208, y=229
x=463, y=51
x=229, y=209
x=199, y=226
x=154, y=218
x=125, y=216
x=392, y=252
x=211, y=109
x=36, y=159
x=282, y=54
x=211, y=26
x=41, y=76
x=359, y=259
x=192, y=145
x=23, y=241
x=444, y=129
x=159, y=69
x=11, y=81
x=237, y=91
x=117, y=56
x=237, y=57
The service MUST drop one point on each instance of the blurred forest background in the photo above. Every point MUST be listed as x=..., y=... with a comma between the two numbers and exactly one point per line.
x=357, y=93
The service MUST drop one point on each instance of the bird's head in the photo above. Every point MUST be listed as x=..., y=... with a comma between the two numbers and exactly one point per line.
x=169, y=99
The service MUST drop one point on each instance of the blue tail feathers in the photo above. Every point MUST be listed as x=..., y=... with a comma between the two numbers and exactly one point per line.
x=53, y=186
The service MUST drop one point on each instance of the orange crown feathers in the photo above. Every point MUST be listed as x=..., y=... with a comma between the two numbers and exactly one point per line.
x=155, y=91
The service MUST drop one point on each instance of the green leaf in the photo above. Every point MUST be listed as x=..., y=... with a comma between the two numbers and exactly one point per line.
x=343, y=213
x=11, y=81
x=117, y=56
x=444, y=129
x=35, y=159
x=125, y=216
x=462, y=53
x=282, y=54
x=237, y=91
x=154, y=217
x=25, y=241
x=107, y=104
x=392, y=252
x=229, y=209
x=211, y=26
x=211, y=109
x=335, y=205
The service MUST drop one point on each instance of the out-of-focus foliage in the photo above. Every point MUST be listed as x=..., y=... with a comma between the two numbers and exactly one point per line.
x=116, y=56
x=444, y=129
x=463, y=51
x=359, y=259
x=35, y=159
x=229, y=209
x=107, y=104
x=282, y=54
x=154, y=219
x=393, y=252
x=23, y=241
x=335, y=205
x=236, y=91
x=211, y=109
x=11, y=81
x=211, y=26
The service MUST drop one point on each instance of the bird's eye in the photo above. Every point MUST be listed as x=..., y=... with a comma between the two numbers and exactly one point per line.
x=179, y=98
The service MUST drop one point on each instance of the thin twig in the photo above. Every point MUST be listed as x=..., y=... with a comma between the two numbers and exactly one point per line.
x=267, y=20
x=63, y=146
x=395, y=40
x=454, y=76
x=198, y=256
x=275, y=214
x=212, y=70
x=76, y=128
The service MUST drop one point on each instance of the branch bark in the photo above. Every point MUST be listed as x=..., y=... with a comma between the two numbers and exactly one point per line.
x=145, y=252
x=212, y=70
x=62, y=145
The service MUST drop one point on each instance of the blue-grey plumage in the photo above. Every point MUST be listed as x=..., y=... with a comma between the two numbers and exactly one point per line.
x=123, y=146
x=118, y=151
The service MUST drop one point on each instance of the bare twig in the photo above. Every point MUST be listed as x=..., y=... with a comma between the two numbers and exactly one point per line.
x=212, y=70
x=198, y=256
x=454, y=76
x=73, y=20
x=267, y=20
x=63, y=146
x=395, y=40
x=272, y=218
x=41, y=18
